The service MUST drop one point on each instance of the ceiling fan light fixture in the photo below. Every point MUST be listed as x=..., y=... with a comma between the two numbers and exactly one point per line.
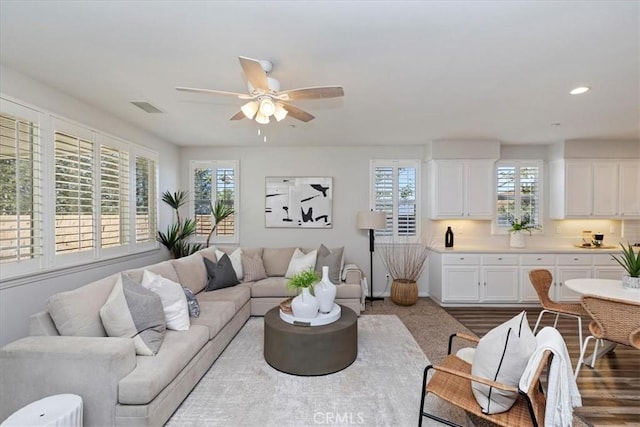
x=262, y=119
x=267, y=106
x=250, y=109
x=280, y=112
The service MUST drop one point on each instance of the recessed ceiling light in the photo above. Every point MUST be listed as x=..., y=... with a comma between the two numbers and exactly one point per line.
x=579, y=90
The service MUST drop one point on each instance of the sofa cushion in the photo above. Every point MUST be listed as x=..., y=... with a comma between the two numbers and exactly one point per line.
x=77, y=312
x=152, y=374
x=501, y=356
x=301, y=262
x=164, y=268
x=220, y=274
x=192, y=302
x=348, y=291
x=271, y=287
x=215, y=315
x=236, y=261
x=276, y=260
x=209, y=253
x=332, y=259
x=239, y=295
x=132, y=311
x=174, y=301
x=253, y=268
x=191, y=271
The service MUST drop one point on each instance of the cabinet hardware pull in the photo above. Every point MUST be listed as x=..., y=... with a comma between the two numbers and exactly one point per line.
x=461, y=258
x=485, y=283
x=560, y=283
x=539, y=259
x=478, y=283
x=575, y=259
x=499, y=259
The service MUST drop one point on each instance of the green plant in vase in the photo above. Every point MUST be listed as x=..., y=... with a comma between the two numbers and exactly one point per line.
x=305, y=305
x=630, y=261
x=304, y=279
x=177, y=235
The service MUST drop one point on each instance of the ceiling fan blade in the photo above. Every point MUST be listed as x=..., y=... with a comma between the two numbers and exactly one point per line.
x=298, y=113
x=214, y=92
x=254, y=73
x=238, y=116
x=317, y=92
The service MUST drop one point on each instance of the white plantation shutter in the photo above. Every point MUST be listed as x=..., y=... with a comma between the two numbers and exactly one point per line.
x=74, y=192
x=146, y=200
x=114, y=197
x=210, y=181
x=519, y=192
x=21, y=186
x=395, y=191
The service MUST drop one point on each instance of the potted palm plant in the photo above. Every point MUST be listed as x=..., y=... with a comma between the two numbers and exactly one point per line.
x=220, y=210
x=176, y=239
x=630, y=261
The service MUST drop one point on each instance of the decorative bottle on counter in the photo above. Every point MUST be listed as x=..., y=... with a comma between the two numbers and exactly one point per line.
x=448, y=238
x=325, y=292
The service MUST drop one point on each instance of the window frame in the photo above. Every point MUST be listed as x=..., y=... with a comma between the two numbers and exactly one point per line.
x=50, y=123
x=215, y=165
x=519, y=164
x=396, y=164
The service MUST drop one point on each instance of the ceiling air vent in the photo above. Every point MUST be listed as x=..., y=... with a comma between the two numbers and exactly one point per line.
x=146, y=107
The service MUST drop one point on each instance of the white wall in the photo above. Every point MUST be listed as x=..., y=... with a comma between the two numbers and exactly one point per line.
x=21, y=298
x=349, y=168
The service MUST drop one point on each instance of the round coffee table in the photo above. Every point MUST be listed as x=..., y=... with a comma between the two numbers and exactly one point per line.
x=310, y=350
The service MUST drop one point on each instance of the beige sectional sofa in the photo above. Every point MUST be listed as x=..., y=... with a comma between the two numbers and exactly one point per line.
x=68, y=350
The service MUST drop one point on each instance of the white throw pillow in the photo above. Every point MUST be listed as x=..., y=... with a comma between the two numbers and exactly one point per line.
x=236, y=261
x=301, y=262
x=501, y=356
x=174, y=301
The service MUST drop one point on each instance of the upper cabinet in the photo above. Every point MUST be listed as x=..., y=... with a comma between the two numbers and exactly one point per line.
x=595, y=189
x=462, y=189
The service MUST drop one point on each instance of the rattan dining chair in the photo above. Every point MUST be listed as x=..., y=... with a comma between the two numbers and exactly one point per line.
x=614, y=320
x=451, y=381
x=541, y=280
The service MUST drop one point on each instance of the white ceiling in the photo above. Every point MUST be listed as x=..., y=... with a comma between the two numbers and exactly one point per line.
x=412, y=71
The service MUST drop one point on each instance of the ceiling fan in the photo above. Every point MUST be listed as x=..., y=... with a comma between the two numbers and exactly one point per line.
x=265, y=98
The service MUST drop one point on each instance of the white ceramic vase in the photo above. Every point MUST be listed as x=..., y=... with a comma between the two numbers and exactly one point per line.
x=631, y=282
x=325, y=292
x=517, y=239
x=305, y=305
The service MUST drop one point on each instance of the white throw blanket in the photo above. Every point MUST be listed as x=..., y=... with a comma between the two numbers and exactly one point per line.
x=562, y=391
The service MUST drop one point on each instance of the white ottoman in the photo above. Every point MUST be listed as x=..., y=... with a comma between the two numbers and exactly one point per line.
x=53, y=411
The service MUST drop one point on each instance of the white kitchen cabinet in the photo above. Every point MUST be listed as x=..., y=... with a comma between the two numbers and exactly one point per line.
x=460, y=278
x=629, y=194
x=462, y=189
x=595, y=189
x=570, y=266
x=605, y=267
x=499, y=278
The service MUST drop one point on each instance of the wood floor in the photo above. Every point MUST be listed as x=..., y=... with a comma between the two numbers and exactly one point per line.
x=610, y=392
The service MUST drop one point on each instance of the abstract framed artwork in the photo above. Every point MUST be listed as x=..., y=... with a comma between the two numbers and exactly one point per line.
x=298, y=202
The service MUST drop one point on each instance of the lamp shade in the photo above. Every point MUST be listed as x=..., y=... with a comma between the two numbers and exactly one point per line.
x=371, y=220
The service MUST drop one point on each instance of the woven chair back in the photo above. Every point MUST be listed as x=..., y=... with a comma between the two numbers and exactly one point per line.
x=614, y=320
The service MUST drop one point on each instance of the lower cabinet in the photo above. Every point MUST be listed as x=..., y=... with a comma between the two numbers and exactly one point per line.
x=504, y=278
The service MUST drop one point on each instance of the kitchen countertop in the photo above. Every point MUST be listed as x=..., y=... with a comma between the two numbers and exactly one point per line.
x=555, y=249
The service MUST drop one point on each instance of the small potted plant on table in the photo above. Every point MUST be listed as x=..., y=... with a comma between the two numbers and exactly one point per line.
x=517, y=229
x=630, y=261
x=305, y=305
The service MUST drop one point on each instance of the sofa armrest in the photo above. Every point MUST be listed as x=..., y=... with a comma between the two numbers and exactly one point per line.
x=353, y=277
x=32, y=368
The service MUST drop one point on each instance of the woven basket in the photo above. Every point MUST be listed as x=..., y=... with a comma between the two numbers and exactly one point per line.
x=404, y=292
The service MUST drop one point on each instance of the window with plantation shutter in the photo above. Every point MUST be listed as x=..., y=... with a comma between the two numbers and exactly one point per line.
x=74, y=189
x=20, y=186
x=394, y=186
x=518, y=192
x=213, y=181
x=114, y=197
x=146, y=200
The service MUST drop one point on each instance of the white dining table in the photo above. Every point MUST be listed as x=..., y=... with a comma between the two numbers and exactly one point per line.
x=606, y=288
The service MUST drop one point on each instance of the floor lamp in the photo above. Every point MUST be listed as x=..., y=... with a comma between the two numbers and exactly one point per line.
x=371, y=220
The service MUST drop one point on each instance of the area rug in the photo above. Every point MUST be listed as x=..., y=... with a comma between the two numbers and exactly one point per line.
x=381, y=388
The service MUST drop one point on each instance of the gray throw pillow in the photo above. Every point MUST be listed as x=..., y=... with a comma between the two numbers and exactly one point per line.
x=331, y=259
x=134, y=312
x=220, y=274
x=192, y=302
